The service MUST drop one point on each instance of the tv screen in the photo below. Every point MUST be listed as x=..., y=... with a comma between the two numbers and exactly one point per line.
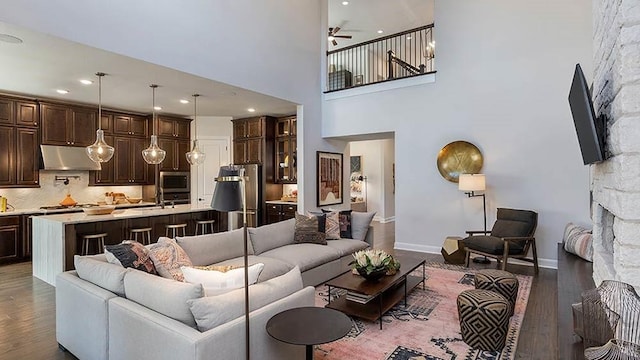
x=590, y=132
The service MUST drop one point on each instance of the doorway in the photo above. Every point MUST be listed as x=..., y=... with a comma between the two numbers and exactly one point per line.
x=217, y=150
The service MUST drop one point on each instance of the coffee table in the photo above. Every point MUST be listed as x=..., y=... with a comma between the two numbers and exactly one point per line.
x=371, y=299
x=308, y=326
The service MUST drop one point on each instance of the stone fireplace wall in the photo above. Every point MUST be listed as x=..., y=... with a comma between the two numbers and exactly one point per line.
x=615, y=183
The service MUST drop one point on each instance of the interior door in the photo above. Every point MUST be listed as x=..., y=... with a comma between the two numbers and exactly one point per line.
x=217, y=154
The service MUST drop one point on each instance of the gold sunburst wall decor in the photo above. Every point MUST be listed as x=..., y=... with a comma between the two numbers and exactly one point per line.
x=459, y=157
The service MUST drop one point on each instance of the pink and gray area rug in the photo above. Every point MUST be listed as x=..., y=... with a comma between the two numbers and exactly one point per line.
x=427, y=329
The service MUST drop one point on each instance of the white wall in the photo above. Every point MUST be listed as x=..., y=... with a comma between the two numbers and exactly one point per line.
x=213, y=126
x=377, y=161
x=504, y=70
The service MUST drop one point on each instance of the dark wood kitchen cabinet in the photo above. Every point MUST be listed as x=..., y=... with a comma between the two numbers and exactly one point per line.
x=171, y=127
x=286, y=151
x=128, y=164
x=27, y=164
x=10, y=239
x=19, y=143
x=176, y=159
x=7, y=156
x=280, y=212
x=253, y=141
x=130, y=125
x=27, y=114
x=67, y=125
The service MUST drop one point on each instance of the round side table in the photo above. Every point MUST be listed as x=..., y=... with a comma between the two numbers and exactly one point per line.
x=292, y=327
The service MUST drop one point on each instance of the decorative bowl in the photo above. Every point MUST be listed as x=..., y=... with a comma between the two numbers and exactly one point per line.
x=375, y=275
x=134, y=200
x=99, y=210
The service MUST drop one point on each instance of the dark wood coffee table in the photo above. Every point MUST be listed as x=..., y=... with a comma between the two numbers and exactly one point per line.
x=374, y=298
x=308, y=326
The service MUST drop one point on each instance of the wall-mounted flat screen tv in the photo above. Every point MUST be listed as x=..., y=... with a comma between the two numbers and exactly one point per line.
x=589, y=128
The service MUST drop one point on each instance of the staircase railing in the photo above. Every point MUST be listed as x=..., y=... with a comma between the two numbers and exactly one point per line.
x=404, y=54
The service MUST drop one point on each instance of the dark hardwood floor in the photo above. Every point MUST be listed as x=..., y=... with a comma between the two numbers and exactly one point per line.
x=27, y=309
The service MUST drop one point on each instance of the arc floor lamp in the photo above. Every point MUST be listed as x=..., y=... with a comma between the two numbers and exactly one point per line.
x=230, y=195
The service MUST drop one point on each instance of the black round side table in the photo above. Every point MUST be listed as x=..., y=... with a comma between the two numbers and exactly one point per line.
x=309, y=326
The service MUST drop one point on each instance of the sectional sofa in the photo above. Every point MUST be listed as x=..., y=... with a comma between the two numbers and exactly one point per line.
x=105, y=311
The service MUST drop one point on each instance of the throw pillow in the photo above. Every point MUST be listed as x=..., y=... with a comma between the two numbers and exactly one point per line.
x=332, y=225
x=578, y=240
x=360, y=222
x=217, y=282
x=130, y=254
x=221, y=268
x=168, y=257
x=308, y=230
x=344, y=221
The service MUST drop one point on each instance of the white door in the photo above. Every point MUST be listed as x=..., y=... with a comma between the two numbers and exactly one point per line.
x=217, y=152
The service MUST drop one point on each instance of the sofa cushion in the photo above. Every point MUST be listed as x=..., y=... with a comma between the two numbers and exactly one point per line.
x=218, y=282
x=212, y=311
x=212, y=248
x=310, y=229
x=305, y=256
x=491, y=245
x=272, y=267
x=360, y=222
x=347, y=246
x=166, y=296
x=271, y=236
x=130, y=254
x=95, y=269
x=168, y=257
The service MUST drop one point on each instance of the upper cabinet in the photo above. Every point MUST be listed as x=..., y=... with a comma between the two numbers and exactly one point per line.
x=67, y=125
x=286, y=151
x=19, y=142
x=174, y=137
x=130, y=125
x=253, y=140
x=174, y=127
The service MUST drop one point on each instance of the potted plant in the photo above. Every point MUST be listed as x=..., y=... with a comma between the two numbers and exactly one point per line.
x=373, y=264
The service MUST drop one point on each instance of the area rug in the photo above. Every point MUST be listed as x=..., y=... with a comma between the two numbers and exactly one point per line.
x=427, y=329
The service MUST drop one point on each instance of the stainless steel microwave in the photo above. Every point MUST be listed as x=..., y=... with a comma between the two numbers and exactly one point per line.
x=175, y=181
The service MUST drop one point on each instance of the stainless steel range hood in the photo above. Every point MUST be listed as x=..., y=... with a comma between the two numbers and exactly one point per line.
x=66, y=158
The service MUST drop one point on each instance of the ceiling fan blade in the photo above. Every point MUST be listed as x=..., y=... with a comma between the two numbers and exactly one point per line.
x=336, y=29
x=343, y=36
x=334, y=42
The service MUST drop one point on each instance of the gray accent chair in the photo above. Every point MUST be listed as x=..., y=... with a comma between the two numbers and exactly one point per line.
x=512, y=236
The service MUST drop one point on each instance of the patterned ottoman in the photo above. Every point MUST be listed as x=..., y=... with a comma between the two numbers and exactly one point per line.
x=501, y=282
x=484, y=319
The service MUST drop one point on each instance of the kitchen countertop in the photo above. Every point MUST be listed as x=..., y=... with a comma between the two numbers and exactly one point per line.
x=38, y=211
x=81, y=217
x=282, y=202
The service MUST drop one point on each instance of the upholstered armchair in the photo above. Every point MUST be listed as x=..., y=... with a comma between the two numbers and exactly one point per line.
x=512, y=236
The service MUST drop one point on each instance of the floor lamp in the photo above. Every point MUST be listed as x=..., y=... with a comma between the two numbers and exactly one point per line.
x=470, y=183
x=230, y=195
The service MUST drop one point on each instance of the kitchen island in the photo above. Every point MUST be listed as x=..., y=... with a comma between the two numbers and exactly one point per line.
x=57, y=238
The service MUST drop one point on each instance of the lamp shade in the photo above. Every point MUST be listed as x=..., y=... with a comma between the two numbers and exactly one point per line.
x=471, y=182
x=227, y=195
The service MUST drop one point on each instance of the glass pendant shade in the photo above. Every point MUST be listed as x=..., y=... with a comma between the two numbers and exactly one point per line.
x=153, y=154
x=100, y=151
x=195, y=156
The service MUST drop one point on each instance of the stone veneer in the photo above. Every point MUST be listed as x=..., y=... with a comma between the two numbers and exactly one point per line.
x=615, y=183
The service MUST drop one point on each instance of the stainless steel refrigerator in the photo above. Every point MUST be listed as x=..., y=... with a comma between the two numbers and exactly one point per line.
x=254, y=191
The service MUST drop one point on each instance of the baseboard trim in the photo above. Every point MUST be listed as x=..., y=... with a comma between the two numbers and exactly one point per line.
x=545, y=263
x=382, y=220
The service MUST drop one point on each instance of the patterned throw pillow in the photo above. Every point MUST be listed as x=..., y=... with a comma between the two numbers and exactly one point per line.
x=344, y=217
x=168, y=257
x=308, y=229
x=131, y=254
x=220, y=268
x=332, y=225
x=578, y=240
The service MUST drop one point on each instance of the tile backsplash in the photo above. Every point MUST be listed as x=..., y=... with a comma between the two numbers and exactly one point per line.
x=51, y=192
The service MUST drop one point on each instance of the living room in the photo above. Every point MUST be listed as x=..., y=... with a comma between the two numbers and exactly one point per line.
x=503, y=74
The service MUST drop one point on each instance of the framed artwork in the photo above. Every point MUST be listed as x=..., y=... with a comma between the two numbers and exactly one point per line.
x=329, y=182
x=356, y=164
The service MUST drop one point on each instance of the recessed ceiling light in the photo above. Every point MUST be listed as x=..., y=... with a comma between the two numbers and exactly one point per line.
x=10, y=39
x=251, y=110
x=183, y=101
x=345, y=3
x=62, y=91
x=86, y=82
x=380, y=31
x=157, y=108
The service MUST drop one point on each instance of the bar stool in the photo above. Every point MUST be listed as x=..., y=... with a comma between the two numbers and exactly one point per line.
x=174, y=229
x=98, y=238
x=145, y=235
x=203, y=225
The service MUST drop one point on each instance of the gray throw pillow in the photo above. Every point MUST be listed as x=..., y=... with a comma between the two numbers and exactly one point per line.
x=360, y=222
x=95, y=269
x=212, y=248
x=308, y=230
x=267, y=237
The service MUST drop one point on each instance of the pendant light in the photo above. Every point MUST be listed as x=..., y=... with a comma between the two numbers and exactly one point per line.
x=195, y=156
x=100, y=151
x=153, y=154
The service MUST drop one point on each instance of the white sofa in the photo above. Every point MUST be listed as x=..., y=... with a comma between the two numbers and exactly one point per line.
x=104, y=311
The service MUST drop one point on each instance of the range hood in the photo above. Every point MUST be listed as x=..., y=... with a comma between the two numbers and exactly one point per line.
x=66, y=158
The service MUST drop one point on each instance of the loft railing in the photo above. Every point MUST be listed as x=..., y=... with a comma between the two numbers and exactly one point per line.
x=405, y=54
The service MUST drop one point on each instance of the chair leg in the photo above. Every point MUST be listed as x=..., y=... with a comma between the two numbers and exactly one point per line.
x=505, y=256
x=535, y=257
x=466, y=260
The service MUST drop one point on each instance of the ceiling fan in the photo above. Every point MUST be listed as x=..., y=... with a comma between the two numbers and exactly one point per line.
x=332, y=35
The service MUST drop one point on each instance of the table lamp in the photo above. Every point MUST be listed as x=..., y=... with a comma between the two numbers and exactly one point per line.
x=470, y=183
x=230, y=195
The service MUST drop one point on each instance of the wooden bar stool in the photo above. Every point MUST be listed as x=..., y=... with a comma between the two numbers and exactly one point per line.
x=98, y=238
x=145, y=235
x=203, y=225
x=175, y=230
